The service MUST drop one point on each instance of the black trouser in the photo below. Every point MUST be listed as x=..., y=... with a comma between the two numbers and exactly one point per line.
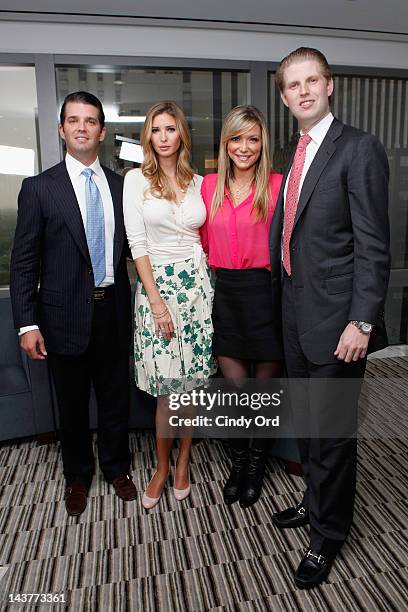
x=328, y=461
x=105, y=364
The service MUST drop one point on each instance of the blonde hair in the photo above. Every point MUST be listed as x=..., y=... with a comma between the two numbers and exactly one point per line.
x=238, y=121
x=160, y=185
x=299, y=55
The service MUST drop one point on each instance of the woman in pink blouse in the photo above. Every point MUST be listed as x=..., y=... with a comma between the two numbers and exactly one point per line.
x=240, y=202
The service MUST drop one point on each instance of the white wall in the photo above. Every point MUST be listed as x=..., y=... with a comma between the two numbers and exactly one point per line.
x=58, y=38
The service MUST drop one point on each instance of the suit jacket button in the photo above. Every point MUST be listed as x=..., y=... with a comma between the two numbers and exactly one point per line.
x=89, y=301
x=89, y=271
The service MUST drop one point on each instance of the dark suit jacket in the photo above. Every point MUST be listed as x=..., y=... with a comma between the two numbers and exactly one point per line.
x=340, y=242
x=50, y=248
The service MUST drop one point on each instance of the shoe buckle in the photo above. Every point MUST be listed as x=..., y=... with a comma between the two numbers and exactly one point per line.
x=319, y=558
x=302, y=511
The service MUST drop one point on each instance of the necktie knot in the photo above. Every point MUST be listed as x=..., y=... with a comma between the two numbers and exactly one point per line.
x=304, y=141
x=87, y=172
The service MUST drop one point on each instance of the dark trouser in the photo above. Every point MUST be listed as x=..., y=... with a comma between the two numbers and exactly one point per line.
x=105, y=364
x=328, y=461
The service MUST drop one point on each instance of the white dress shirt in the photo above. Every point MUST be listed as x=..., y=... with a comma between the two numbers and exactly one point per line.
x=317, y=134
x=75, y=168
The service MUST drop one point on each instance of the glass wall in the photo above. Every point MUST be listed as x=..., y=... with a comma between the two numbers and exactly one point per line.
x=378, y=106
x=126, y=92
x=18, y=149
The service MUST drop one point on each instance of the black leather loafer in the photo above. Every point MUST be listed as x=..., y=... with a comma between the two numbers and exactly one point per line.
x=313, y=570
x=291, y=517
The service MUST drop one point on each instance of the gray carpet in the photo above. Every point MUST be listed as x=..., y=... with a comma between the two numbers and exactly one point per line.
x=198, y=554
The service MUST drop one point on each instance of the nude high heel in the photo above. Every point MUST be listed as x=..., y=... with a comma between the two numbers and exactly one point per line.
x=150, y=502
x=181, y=494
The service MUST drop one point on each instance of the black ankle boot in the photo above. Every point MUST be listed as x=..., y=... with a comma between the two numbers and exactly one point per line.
x=253, y=478
x=232, y=488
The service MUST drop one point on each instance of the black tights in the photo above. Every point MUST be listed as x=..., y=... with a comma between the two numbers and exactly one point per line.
x=237, y=369
x=240, y=369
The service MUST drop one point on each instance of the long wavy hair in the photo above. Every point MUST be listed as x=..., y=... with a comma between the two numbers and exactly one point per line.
x=238, y=121
x=160, y=185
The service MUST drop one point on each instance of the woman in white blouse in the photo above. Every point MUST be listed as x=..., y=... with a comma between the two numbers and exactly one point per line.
x=163, y=212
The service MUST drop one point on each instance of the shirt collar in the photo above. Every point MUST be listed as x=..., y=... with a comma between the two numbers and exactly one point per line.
x=76, y=167
x=319, y=131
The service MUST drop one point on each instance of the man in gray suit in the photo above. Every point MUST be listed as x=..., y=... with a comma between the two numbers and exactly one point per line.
x=70, y=240
x=330, y=266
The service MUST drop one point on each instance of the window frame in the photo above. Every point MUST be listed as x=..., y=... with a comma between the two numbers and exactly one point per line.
x=50, y=149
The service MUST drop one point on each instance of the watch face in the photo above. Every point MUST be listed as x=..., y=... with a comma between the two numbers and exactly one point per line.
x=366, y=327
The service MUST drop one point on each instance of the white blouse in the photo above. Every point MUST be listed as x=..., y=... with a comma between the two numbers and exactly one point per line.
x=165, y=231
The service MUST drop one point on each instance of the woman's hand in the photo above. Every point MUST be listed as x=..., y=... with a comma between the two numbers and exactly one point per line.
x=163, y=324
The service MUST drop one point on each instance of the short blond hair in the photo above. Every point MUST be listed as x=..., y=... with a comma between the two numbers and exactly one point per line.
x=301, y=54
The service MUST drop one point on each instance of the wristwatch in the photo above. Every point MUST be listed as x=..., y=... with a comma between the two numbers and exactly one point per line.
x=364, y=327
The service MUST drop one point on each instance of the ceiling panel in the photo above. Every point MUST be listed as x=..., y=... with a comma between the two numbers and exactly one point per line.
x=367, y=15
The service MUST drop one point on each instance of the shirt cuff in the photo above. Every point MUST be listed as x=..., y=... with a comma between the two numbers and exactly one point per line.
x=27, y=328
x=138, y=252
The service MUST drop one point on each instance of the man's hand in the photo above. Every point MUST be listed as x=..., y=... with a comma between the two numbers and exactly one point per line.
x=32, y=343
x=352, y=344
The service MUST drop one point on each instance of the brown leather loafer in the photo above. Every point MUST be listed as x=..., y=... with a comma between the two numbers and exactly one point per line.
x=76, y=497
x=124, y=487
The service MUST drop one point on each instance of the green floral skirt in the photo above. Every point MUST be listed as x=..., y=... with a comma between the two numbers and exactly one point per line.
x=184, y=362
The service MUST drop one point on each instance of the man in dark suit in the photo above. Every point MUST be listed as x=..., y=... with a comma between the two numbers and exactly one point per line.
x=330, y=264
x=70, y=240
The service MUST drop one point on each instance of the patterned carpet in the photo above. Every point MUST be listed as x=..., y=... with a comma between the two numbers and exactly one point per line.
x=198, y=555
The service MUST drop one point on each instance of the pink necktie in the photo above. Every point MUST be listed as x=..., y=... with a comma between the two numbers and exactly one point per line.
x=292, y=198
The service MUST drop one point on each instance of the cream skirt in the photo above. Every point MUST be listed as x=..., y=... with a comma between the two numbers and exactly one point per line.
x=184, y=362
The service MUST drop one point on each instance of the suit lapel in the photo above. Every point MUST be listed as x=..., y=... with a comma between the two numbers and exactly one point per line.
x=115, y=187
x=65, y=199
x=278, y=214
x=276, y=229
x=321, y=159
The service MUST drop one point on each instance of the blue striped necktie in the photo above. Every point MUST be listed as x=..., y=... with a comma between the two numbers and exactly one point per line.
x=95, y=227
